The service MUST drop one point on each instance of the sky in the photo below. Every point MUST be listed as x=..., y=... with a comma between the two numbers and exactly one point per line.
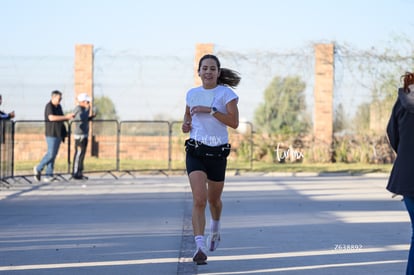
x=50, y=28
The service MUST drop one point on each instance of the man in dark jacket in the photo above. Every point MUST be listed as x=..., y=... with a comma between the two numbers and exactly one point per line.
x=4, y=115
x=400, y=131
x=55, y=131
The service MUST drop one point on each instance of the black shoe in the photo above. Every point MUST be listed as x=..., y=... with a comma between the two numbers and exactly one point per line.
x=79, y=177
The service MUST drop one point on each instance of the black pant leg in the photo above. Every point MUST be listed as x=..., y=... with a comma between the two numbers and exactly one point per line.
x=79, y=157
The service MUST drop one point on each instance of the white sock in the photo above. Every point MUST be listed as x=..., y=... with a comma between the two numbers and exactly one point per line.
x=214, y=226
x=199, y=240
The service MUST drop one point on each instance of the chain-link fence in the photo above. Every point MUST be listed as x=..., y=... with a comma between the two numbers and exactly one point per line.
x=153, y=88
x=146, y=87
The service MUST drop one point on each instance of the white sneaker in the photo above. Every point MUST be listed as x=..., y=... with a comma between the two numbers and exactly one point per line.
x=200, y=256
x=50, y=179
x=213, y=241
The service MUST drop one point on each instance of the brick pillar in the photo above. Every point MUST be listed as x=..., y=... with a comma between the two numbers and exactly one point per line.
x=201, y=50
x=84, y=81
x=84, y=70
x=323, y=96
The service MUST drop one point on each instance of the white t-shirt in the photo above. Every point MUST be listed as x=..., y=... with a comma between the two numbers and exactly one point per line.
x=205, y=127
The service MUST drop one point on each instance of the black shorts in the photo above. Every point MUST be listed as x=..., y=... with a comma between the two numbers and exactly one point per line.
x=214, y=168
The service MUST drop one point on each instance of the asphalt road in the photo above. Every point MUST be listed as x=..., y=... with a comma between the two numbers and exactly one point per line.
x=271, y=224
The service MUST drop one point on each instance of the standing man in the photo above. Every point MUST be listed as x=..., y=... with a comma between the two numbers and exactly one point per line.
x=81, y=120
x=55, y=131
x=4, y=115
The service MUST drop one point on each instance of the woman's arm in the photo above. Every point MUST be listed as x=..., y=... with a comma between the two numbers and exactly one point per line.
x=231, y=119
x=186, y=127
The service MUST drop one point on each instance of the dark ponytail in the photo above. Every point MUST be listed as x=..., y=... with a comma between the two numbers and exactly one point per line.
x=229, y=77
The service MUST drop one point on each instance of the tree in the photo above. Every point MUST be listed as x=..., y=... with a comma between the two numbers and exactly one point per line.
x=284, y=107
x=340, y=119
x=373, y=116
x=105, y=108
x=361, y=120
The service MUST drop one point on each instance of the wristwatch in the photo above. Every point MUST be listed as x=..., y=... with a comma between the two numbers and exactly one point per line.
x=213, y=111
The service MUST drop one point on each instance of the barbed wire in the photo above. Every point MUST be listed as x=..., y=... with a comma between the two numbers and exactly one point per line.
x=144, y=86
